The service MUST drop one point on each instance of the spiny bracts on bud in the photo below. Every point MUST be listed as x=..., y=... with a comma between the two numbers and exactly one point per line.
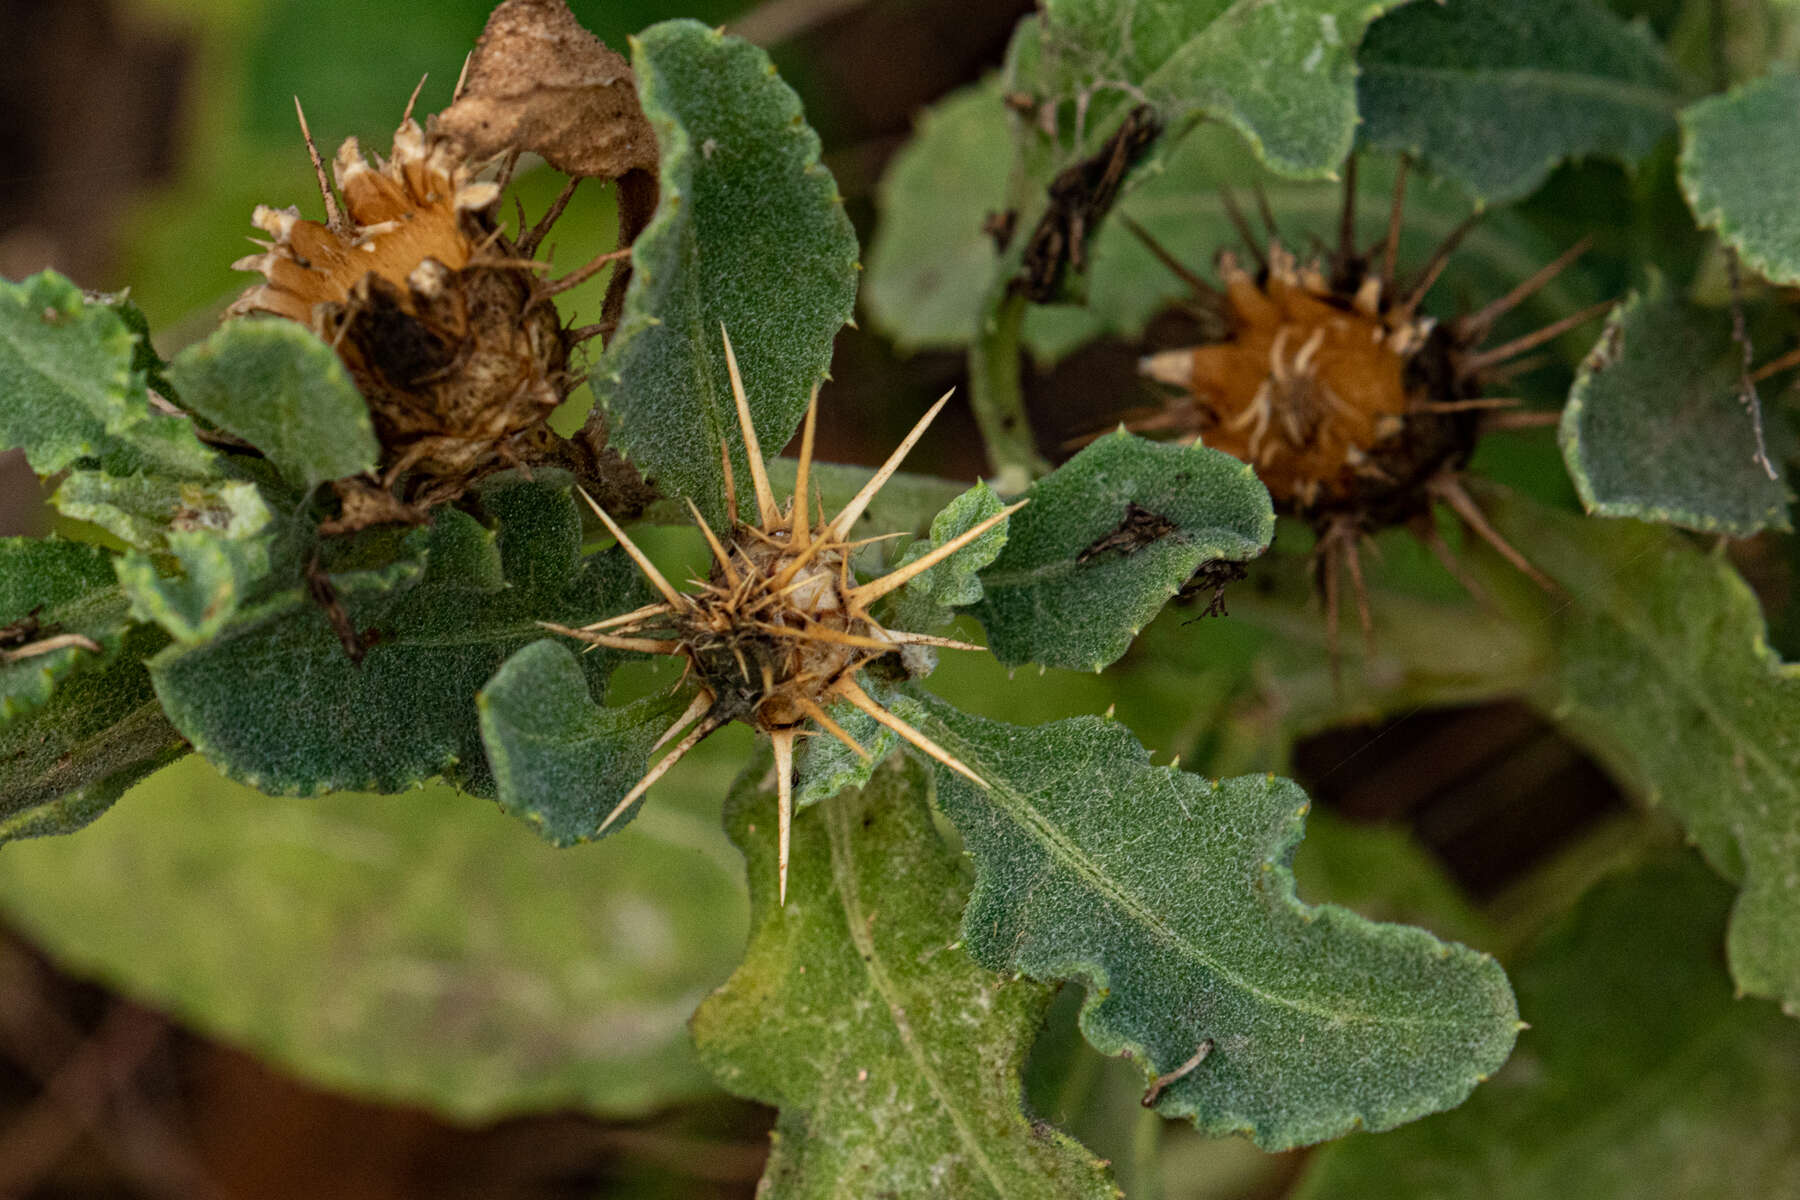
x=446, y=325
x=1357, y=409
x=780, y=628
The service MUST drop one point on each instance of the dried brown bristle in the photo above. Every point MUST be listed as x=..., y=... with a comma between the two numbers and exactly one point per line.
x=1357, y=411
x=781, y=628
x=446, y=326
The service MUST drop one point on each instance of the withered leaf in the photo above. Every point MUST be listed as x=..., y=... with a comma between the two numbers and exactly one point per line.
x=538, y=81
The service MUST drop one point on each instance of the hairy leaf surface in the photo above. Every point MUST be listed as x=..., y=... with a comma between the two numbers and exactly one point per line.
x=275, y=384
x=1655, y=427
x=1640, y=1077
x=749, y=234
x=1282, y=72
x=1740, y=169
x=1495, y=93
x=1083, y=570
x=1667, y=675
x=421, y=949
x=560, y=760
x=275, y=701
x=894, y=1059
x=49, y=586
x=68, y=388
x=1169, y=897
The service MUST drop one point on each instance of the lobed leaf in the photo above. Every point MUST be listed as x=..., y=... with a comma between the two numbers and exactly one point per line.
x=1281, y=72
x=69, y=390
x=1495, y=93
x=749, y=235
x=437, y=631
x=1667, y=676
x=1640, y=1076
x=560, y=760
x=1107, y=540
x=142, y=510
x=894, y=1059
x=1740, y=169
x=278, y=386
x=1169, y=897
x=926, y=600
x=421, y=949
x=1655, y=427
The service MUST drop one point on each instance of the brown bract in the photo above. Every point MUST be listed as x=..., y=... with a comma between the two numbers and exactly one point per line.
x=780, y=628
x=446, y=325
x=539, y=82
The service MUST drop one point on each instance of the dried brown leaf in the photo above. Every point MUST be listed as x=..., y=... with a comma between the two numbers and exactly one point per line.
x=540, y=82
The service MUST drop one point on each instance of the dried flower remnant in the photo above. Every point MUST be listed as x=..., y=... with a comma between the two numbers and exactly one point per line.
x=445, y=324
x=1357, y=410
x=780, y=628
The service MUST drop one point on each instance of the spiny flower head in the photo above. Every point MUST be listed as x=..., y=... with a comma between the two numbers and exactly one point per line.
x=781, y=627
x=1356, y=409
x=443, y=322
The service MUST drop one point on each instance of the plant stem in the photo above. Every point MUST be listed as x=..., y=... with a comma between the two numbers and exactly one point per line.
x=998, y=397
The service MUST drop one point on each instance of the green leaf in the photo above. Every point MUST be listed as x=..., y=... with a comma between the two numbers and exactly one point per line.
x=1639, y=1078
x=142, y=510
x=1281, y=72
x=749, y=234
x=275, y=384
x=1655, y=429
x=49, y=587
x=421, y=949
x=1667, y=676
x=925, y=601
x=559, y=760
x=1169, y=897
x=1083, y=570
x=1495, y=93
x=68, y=390
x=1740, y=169
x=407, y=712
x=76, y=727
x=931, y=262
x=217, y=574
x=102, y=730
x=894, y=1059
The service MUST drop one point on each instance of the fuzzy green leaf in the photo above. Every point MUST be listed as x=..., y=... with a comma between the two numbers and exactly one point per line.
x=894, y=1059
x=407, y=712
x=50, y=587
x=1170, y=898
x=68, y=389
x=1639, y=1078
x=1083, y=571
x=1740, y=168
x=1282, y=72
x=421, y=949
x=1666, y=674
x=102, y=730
x=1655, y=429
x=216, y=576
x=925, y=601
x=558, y=759
x=749, y=234
x=142, y=510
x=275, y=384
x=1495, y=93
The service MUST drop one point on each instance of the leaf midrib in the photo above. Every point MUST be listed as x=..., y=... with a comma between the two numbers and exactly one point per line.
x=1084, y=868
x=843, y=872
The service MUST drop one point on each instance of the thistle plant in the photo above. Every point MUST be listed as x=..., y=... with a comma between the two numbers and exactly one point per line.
x=360, y=538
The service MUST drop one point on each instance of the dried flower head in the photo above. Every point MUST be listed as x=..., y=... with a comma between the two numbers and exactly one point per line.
x=780, y=628
x=1357, y=410
x=445, y=324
